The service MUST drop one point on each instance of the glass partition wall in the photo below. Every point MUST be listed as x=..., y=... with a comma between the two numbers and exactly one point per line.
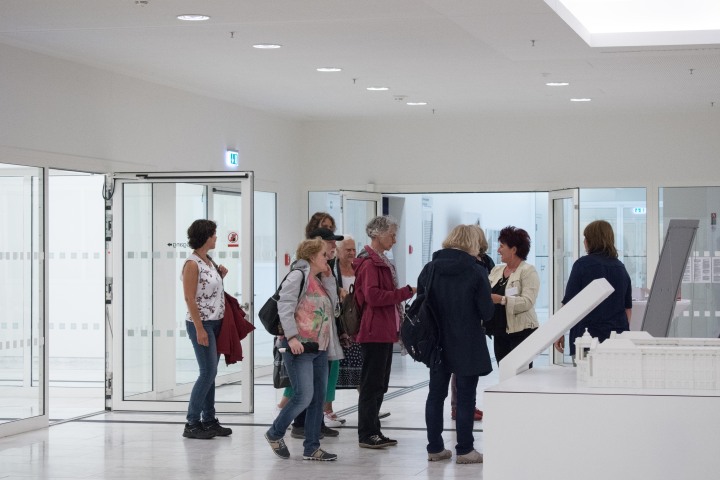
x=76, y=345
x=23, y=359
x=697, y=309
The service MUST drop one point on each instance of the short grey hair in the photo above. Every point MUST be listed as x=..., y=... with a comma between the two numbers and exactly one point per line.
x=380, y=226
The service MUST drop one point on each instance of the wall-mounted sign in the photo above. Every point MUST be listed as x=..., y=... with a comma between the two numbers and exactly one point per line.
x=233, y=238
x=639, y=210
x=232, y=158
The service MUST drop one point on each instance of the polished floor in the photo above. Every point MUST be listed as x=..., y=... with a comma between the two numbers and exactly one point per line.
x=123, y=445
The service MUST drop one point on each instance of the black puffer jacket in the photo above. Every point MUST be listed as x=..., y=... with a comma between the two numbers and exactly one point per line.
x=460, y=295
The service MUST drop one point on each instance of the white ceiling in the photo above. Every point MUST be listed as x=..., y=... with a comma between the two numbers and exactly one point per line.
x=460, y=56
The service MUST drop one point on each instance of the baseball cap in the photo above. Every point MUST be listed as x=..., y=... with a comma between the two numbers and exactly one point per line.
x=325, y=234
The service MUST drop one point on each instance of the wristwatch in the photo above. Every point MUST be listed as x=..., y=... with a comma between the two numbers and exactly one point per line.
x=503, y=300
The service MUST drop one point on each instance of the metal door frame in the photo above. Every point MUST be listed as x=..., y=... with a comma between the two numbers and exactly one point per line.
x=114, y=294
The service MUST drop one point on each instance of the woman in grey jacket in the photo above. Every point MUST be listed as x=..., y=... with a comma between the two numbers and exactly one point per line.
x=306, y=308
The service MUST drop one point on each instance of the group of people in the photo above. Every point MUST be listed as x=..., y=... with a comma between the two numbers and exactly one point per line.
x=376, y=290
x=472, y=298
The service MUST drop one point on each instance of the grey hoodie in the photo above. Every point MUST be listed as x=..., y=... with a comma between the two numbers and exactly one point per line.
x=288, y=302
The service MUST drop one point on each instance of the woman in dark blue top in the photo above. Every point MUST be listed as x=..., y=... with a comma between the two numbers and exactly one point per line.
x=613, y=314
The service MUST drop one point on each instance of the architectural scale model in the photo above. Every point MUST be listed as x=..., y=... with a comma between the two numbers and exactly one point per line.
x=638, y=360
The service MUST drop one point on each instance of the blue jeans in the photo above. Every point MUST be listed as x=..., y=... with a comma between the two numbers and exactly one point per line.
x=466, y=388
x=202, y=399
x=308, y=374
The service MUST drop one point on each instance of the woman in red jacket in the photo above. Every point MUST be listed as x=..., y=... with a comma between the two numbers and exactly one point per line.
x=378, y=295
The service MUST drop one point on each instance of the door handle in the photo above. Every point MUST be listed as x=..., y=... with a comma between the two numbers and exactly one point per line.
x=246, y=306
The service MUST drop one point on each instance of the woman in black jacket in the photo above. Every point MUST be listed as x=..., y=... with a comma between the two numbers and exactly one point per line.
x=459, y=292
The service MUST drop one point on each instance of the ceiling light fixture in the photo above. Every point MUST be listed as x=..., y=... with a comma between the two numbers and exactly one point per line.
x=329, y=69
x=557, y=84
x=193, y=17
x=378, y=89
x=581, y=99
x=267, y=46
x=416, y=104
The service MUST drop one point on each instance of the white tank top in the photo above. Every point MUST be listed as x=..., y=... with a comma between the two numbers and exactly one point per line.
x=209, y=294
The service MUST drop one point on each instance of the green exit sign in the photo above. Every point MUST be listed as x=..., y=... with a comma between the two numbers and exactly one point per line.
x=232, y=159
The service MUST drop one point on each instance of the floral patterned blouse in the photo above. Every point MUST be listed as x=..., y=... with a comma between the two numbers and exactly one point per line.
x=209, y=294
x=313, y=315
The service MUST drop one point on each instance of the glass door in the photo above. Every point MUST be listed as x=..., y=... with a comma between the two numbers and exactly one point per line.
x=156, y=367
x=23, y=289
x=564, y=238
x=358, y=208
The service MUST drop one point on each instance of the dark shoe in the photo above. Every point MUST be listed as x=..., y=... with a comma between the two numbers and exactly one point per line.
x=197, y=431
x=375, y=441
x=389, y=441
x=382, y=415
x=219, y=430
x=278, y=447
x=321, y=456
x=299, y=432
x=328, y=432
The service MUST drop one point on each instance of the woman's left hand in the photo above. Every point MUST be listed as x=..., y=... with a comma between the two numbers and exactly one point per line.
x=223, y=271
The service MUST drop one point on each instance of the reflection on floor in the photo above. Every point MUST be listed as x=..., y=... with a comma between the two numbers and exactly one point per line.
x=118, y=445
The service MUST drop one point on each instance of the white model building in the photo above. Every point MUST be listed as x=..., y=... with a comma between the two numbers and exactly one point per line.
x=637, y=360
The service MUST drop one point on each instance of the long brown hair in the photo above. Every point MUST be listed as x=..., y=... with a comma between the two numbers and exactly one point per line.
x=600, y=238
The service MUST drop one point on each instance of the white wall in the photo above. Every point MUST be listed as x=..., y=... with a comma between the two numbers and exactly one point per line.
x=483, y=153
x=66, y=115
x=59, y=113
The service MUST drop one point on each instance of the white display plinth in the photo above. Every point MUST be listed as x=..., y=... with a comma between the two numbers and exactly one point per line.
x=541, y=425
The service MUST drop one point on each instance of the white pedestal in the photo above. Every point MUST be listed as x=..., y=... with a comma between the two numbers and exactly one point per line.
x=540, y=425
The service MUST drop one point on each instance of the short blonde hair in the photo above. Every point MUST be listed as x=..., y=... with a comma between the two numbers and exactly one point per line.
x=465, y=238
x=309, y=248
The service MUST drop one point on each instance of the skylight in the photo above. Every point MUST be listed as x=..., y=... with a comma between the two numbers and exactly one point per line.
x=615, y=23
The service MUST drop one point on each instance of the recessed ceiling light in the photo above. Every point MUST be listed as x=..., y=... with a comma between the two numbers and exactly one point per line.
x=557, y=84
x=329, y=69
x=415, y=104
x=193, y=17
x=267, y=46
x=581, y=99
x=378, y=89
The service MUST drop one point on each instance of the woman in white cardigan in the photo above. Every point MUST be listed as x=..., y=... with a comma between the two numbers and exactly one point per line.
x=514, y=286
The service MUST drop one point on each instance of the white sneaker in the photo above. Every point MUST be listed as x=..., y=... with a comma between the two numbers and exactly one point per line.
x=332, y=421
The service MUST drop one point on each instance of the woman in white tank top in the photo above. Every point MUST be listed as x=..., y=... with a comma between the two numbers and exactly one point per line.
x=203, y=290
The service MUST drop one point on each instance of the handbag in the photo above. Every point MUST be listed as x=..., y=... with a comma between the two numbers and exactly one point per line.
x=269, y=315
x=350, y=314
x=280, y=375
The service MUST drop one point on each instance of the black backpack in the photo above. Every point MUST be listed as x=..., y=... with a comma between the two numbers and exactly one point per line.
x=419, y=331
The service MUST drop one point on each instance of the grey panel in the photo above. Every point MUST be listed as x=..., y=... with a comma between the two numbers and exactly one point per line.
x=669, y=274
